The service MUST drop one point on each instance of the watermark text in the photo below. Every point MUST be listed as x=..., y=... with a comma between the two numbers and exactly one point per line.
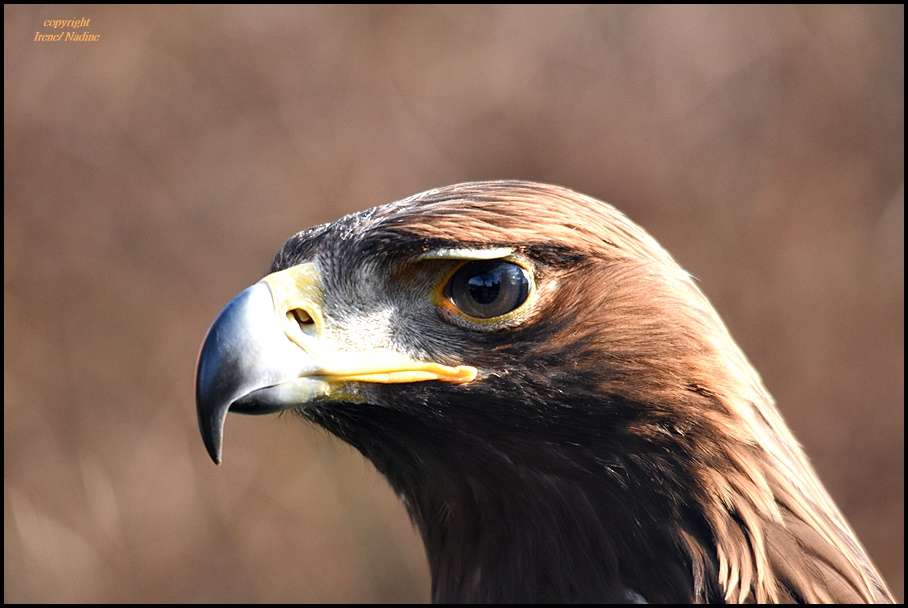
x=71, y=31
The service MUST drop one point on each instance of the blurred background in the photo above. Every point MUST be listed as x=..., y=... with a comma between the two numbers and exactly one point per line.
x=150, y=176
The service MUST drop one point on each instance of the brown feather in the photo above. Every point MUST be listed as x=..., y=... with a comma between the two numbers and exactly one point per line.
x=700, y=438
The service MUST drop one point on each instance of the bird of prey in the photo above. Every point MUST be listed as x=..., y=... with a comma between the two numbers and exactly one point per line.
x=560, y=408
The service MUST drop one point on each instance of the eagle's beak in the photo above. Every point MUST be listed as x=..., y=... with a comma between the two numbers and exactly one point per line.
x=269, y=350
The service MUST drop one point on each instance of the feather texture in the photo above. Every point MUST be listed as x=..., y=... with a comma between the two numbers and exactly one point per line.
x=616, y=446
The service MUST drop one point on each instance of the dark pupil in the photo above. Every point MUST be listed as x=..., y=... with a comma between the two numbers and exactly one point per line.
x=484, y=287
x=488, y=288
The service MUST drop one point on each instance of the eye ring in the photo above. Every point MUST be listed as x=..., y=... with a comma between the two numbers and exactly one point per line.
x=487, y=290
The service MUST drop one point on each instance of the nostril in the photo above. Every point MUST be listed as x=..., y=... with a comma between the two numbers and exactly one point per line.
x=301, y=317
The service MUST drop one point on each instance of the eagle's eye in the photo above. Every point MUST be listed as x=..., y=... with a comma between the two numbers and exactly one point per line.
x=486, y=289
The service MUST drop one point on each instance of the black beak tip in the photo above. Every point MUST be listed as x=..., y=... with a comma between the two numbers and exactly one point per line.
x=214, y=450
x=211, y=405
x=216, y=376
x=212, y=430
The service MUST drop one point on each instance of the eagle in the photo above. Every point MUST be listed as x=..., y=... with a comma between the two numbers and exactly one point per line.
x=561, y=410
